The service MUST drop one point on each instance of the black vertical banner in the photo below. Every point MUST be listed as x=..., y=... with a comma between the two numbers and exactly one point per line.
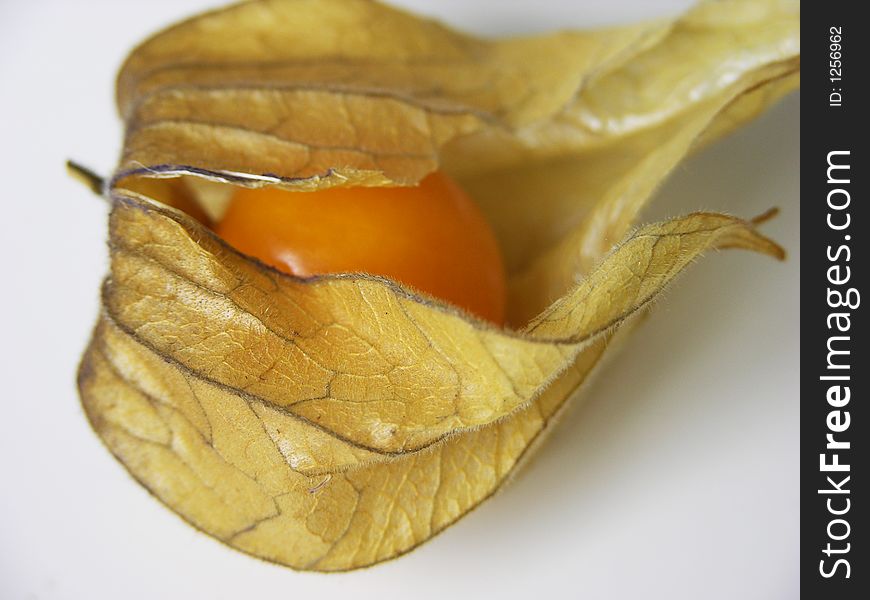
x=834, y=367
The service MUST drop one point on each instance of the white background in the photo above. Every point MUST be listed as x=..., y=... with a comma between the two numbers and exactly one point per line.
x=677, y=479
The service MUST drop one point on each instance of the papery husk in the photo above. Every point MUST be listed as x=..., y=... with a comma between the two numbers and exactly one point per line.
x=335, y=422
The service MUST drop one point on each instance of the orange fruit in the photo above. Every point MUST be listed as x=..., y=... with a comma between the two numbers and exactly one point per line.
x=431, y=237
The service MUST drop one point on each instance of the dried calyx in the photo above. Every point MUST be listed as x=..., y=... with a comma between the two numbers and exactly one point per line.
x=334, y=422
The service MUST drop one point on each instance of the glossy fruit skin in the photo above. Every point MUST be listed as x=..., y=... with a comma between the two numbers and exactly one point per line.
x=431, y=237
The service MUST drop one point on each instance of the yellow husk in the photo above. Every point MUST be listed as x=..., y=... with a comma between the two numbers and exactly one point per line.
x=336, y=422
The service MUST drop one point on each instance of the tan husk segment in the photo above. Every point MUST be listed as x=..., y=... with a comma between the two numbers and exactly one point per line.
x=335, y=422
